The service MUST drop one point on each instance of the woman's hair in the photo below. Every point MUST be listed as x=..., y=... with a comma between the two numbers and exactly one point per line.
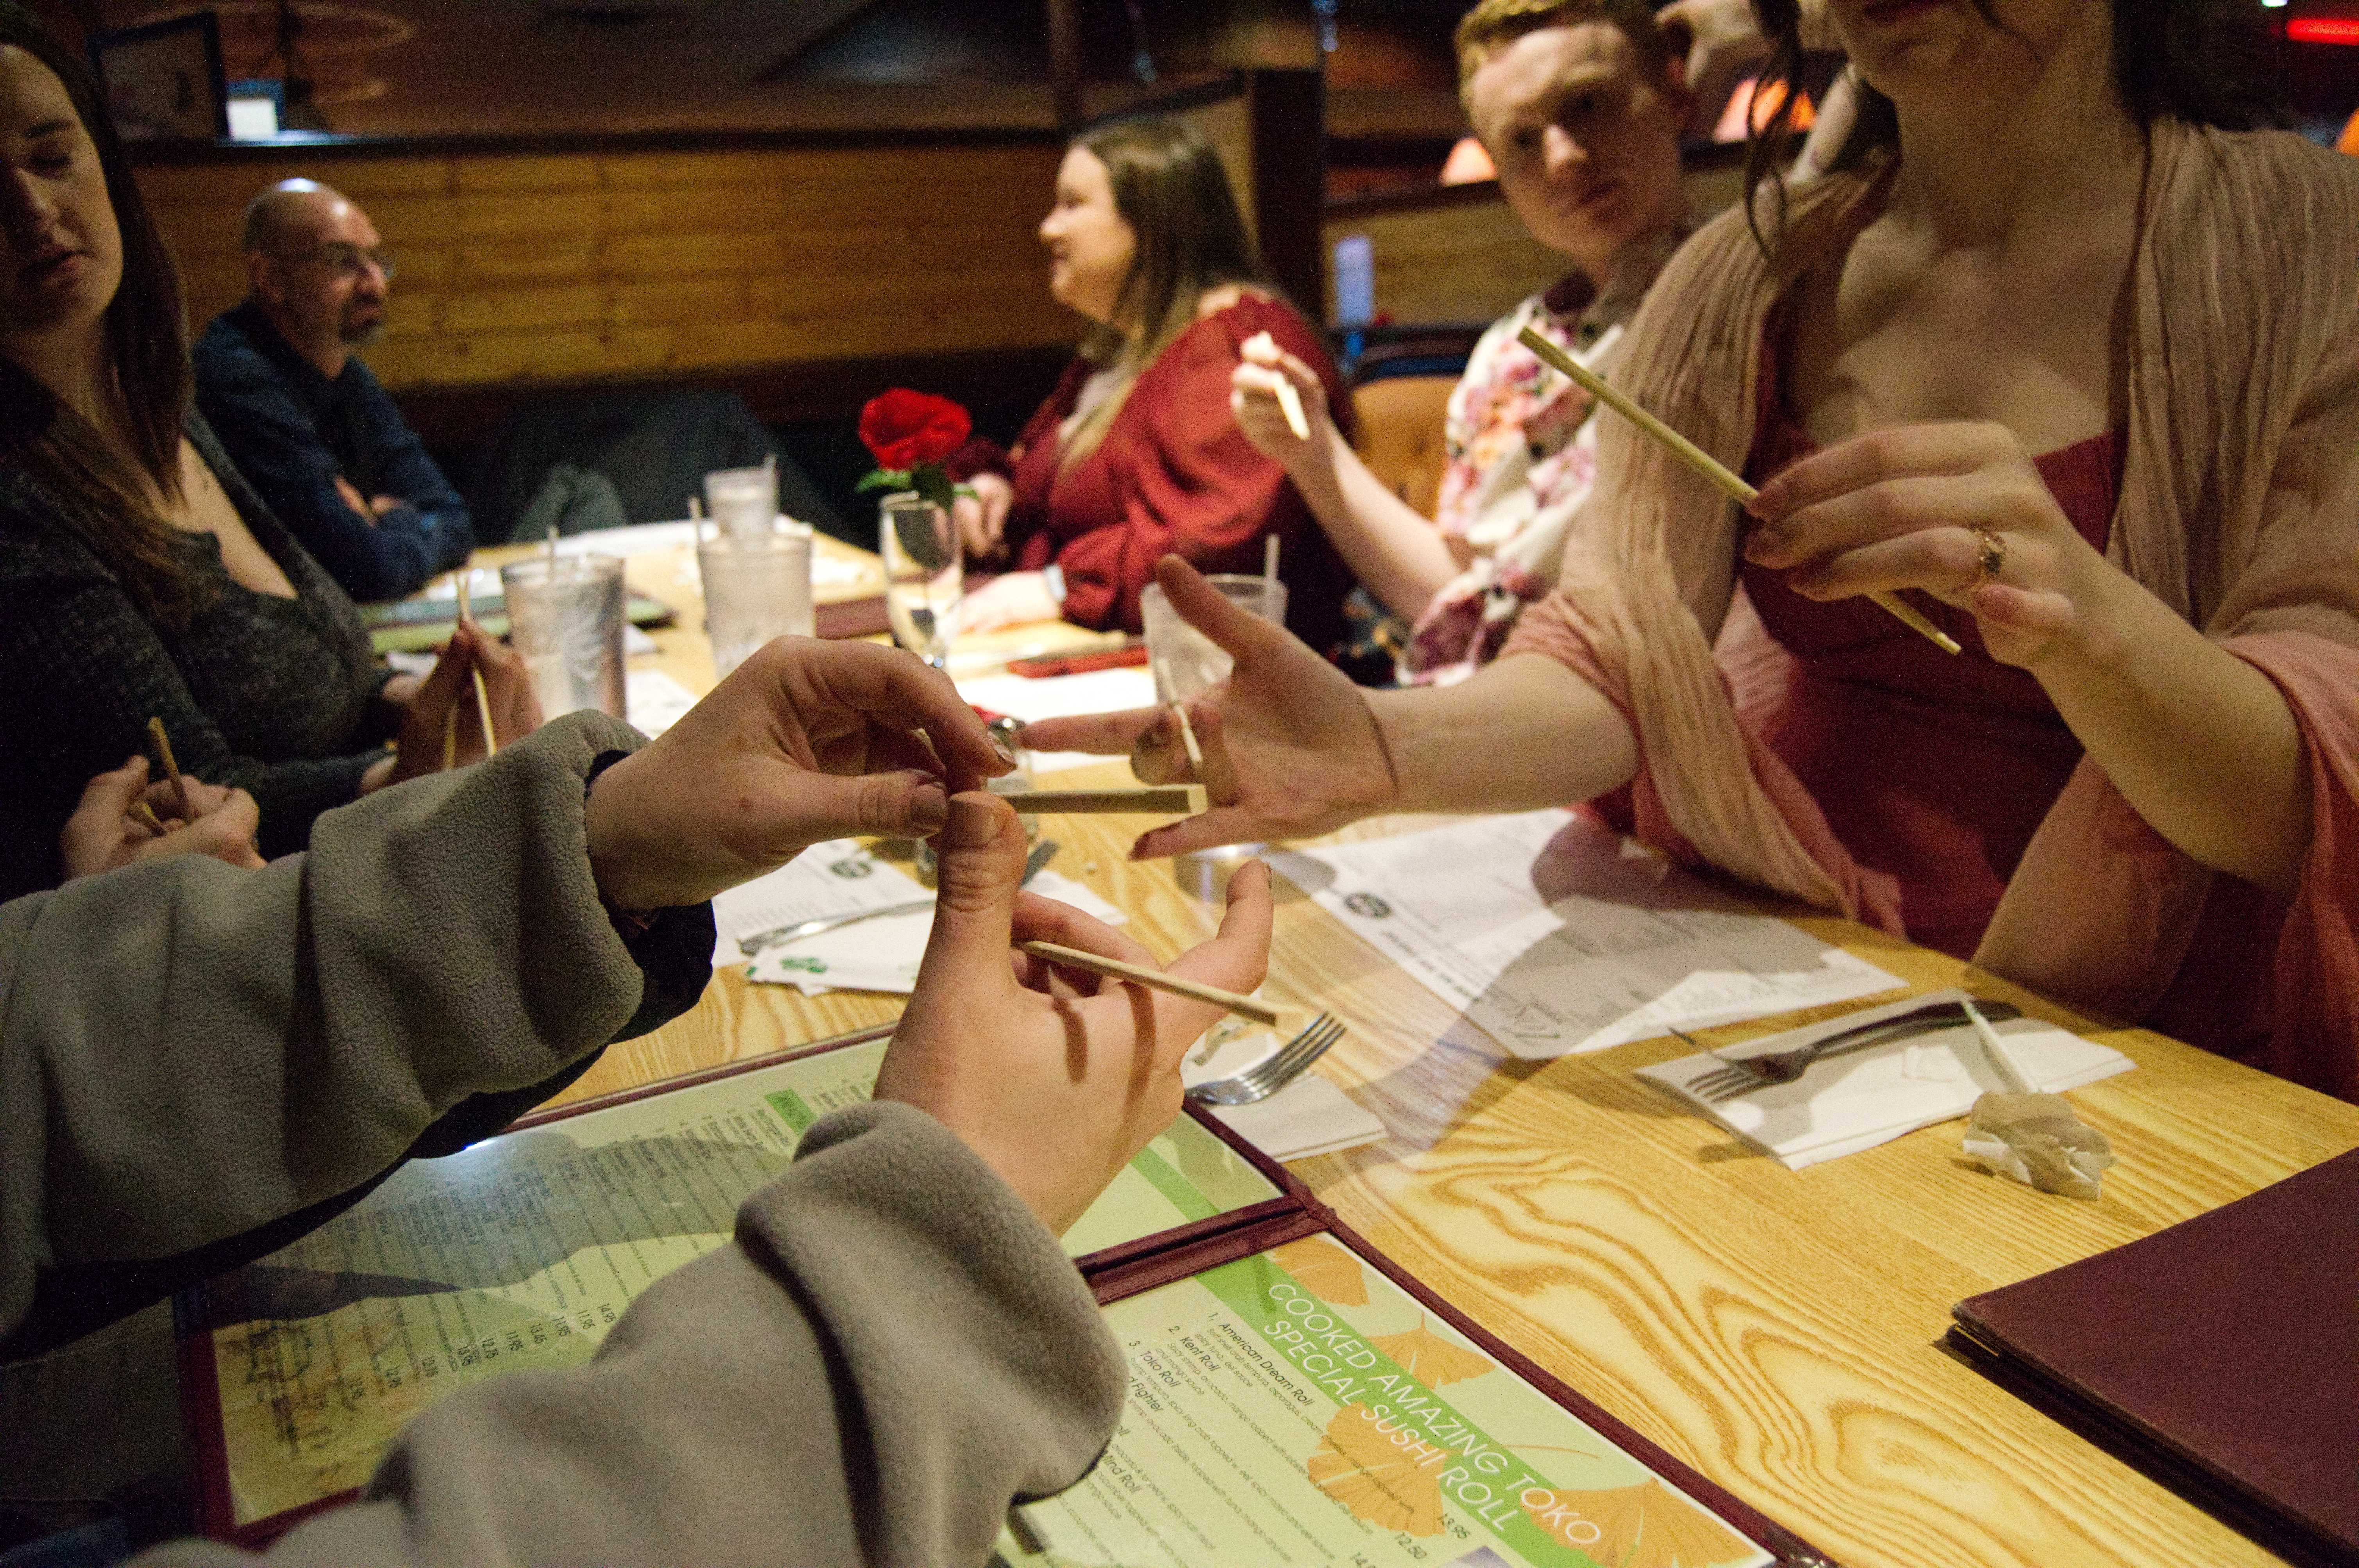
x=1493, y=24
x=147, y=357
x=2198, y=60
x=1169, y=186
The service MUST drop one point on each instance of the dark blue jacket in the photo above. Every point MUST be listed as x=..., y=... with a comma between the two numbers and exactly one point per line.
x=291, y=431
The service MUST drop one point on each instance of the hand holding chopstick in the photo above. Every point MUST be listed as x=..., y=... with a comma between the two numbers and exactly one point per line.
x=1262, y=350
x=1703, y=462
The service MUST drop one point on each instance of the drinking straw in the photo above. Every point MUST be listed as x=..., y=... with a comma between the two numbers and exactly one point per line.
x=1269, y=576
x=1696, y=458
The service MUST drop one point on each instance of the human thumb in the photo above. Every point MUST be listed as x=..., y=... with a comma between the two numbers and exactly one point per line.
x=114, y=792
x=903, y=803
x=980, y=854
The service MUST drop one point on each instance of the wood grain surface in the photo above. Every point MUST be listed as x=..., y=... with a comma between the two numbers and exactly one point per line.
x=517, y=266
x=1777, y=1329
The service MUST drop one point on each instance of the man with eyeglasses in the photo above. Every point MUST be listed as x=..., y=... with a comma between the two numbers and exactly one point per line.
x=304, y=419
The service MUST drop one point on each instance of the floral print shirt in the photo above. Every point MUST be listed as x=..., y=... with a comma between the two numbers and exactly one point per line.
x=1522, y=453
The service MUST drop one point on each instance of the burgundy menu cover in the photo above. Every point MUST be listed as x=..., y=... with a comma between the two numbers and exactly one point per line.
x=2221, y=1356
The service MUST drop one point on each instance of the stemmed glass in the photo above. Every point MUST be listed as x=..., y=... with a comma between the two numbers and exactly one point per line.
x=924, y=576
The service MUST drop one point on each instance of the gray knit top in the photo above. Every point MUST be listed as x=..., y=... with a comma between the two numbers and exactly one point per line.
x=277, y=696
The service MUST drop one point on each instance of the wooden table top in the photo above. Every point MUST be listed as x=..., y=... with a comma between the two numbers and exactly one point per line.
x=1777, y=1330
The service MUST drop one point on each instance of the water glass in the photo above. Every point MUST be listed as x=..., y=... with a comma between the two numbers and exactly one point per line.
x=743, y=501
x=1184, y=660
x=923, y=576
x=756, y=587
x=565, y=616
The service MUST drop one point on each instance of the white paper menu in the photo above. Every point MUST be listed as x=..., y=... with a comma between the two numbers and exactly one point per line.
x=1556, y=935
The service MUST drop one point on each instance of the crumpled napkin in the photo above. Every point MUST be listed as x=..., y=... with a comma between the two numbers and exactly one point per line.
x=2035, y=1139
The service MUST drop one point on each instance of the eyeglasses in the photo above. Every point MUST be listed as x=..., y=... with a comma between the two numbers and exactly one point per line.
x=352, y=261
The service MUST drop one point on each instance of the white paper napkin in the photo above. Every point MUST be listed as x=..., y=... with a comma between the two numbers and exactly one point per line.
x=1855, y=1101
x=1309, y=1115
x=1059, y=696
x=883, y=953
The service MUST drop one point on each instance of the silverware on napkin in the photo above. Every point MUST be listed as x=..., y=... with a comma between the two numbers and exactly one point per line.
x=1742, y=1074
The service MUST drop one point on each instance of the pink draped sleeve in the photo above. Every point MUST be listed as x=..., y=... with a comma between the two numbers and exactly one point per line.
x=1547, y=629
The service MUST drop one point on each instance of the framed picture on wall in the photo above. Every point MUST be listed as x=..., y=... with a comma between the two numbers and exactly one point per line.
x=163, y=82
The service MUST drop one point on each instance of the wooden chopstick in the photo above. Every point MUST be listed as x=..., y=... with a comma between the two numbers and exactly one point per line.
x=1289, y=401
x=171, y=767
x=145, y=814
x=1173, y=800
x=483, y=698
x=1155, y=979
x=1696, y=458
x=1187, y=738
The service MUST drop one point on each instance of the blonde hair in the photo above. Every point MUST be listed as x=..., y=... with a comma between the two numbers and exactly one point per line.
x=1169, y=186
x=1493, y=25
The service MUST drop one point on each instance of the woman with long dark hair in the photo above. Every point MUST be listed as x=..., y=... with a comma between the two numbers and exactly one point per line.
x=2067, y=352
x=1134, y=456
x=140, y=577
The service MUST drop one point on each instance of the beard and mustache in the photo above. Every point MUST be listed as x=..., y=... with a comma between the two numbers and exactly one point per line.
x=360, y=324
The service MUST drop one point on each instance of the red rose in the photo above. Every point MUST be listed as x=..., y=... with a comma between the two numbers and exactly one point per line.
x=904, y=428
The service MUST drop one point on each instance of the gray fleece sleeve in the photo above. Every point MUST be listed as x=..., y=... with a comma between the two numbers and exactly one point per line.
x=893, y=1350
x=189, y=1050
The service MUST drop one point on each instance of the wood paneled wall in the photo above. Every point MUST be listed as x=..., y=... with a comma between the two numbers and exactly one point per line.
x=1458, y=254
x=519, y=266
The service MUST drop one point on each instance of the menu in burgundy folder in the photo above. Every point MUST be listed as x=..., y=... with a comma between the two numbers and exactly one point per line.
x=1295, y=1398
x=2221, y=1356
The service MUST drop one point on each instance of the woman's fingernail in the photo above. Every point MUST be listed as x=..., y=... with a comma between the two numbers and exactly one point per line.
x=928, y=807
x=969, y=824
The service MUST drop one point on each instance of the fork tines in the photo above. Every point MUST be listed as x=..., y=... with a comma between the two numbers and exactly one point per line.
x=1298, y=1053
x=1273, y=1073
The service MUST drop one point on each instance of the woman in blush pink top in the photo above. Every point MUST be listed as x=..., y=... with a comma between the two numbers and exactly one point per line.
x=2138, y=789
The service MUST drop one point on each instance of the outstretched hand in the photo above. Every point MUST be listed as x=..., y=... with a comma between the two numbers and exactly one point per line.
x=1002, y=1048
x=102, y=834
x=1290, y=749
x=806, y=741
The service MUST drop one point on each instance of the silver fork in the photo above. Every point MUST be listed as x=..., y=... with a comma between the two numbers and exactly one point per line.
x=1274, y=1072
x=1741, y=1075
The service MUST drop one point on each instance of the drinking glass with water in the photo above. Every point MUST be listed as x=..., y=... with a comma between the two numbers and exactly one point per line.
x=924, y=578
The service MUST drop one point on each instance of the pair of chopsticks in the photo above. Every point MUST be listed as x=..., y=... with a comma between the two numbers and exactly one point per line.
x=1696, y=458
x=483, y=696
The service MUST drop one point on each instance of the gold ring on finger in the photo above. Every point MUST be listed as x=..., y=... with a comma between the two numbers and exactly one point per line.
x=1992, y=560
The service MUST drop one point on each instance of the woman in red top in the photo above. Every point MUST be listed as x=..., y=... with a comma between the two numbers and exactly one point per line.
x=1134, y=456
